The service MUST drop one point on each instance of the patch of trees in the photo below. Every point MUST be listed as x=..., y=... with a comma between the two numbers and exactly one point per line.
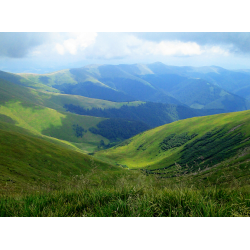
x=118, y=129
x=210, y=149
x=174, y=141
x=153, y=114
x=78, y=130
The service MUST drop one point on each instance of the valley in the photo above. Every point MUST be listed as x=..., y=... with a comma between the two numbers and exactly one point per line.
x=123, y=137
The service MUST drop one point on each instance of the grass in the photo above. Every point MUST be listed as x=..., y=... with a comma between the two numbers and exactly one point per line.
x=44, y=176
x=49, y=122
x=27, y=161
x=19, y=80
x=129, y=197
x=43, y=114
x=40, y=178
x=11, y=91
x=144, y=150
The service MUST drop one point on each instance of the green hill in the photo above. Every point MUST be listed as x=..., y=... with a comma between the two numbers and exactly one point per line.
x=201, y=88
x=192, y=145
x=27, y=161
x=109, y=82
x=10, y=90
x=18, y=79
x=43, y=113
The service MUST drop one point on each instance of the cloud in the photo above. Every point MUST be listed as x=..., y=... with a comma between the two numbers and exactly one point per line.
x=60, y=49
x=19, y=44
x=128, y=45
x=80, y=42
x=178, y=48
x=238, y=42
x=70, y=49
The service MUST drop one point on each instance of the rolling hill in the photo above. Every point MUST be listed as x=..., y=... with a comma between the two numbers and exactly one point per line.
x=188, y=86
x=193, y=145
x=43, y=113
x=28, y=161
x=193, y=167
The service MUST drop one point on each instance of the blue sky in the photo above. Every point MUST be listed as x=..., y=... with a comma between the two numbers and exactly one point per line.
x=37, y=51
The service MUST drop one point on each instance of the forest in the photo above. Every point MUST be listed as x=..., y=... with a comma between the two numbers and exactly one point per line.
x=118, y=129
x=153, y=114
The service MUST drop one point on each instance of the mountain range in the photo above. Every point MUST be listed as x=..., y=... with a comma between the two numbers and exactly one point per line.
x=111, y=137
x=200, y=88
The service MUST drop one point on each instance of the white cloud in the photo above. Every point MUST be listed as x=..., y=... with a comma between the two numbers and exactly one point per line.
x=218, y=50
x=59, y=49
x=80, y=42
x=173, y=48
x=124, y=45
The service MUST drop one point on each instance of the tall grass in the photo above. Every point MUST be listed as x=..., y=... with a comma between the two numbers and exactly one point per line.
x=135, y=195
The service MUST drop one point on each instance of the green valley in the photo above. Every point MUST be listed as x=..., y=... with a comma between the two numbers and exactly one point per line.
x=124, y=140
x=192, y=145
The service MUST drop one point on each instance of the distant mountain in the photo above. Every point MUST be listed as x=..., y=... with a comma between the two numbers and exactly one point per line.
x=198, y=93
x=43, y=115
x=107, y=82
x=234, y=81
x=201, y=88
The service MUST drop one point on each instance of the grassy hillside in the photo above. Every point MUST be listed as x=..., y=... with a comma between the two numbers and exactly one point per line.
x=108, y=82
x=45, y=121
x=192, y=144
x=9, y=91
x=28, y=162
x=44, y=114
x=204, y=87
x=18, y=79
x=40, y=178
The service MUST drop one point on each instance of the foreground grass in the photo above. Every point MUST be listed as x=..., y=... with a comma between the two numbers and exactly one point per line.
x=135, y=197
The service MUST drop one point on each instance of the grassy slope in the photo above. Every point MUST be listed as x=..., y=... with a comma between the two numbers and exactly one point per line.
x=45, y=121
x=196, y=93
x=104, y=82
x=27, y=161
x=9, y=90
x=61, y=77
x=144, y=151
x=18, y=79
x=27, y=108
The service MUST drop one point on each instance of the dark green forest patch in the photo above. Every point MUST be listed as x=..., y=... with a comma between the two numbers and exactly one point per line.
x=78, y=130
x=153, y=114
x=118, y=129
x=174, y=141
x=210, y=149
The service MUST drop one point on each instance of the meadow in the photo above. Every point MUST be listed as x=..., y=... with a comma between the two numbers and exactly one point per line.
x=129, y=195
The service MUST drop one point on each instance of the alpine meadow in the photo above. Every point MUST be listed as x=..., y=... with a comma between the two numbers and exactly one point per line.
x=125, y=139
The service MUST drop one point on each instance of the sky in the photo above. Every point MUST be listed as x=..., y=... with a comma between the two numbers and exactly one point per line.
x=42, y=52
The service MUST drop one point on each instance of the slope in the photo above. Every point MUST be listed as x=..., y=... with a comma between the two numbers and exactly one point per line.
x=197, y=93
x=18, y=79
x=9, y=90
x=26, y=108
x=192, y=144
x=108, y=82
x=28, y=162
x=203, y=87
